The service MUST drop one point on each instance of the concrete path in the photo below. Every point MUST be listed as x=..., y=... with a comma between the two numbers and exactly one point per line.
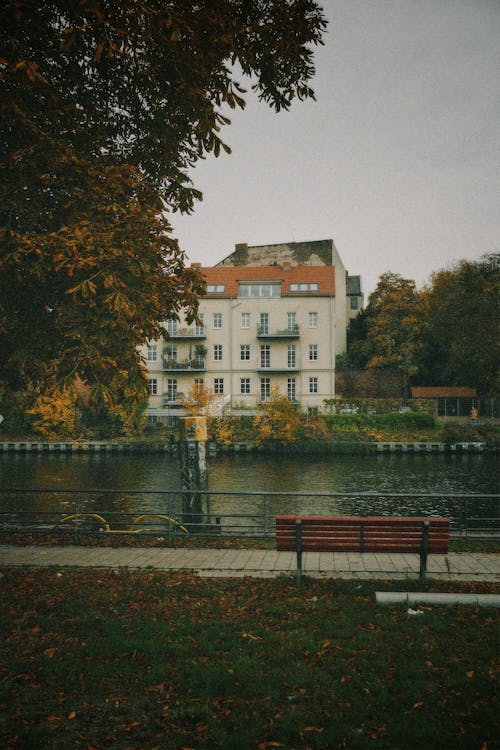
x=455, y=566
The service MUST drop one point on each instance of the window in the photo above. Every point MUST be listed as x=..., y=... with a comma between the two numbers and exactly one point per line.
x=292, y=323
x=152, y=353
x=354, y=303
x=217, y=320
x=264, y=323
x=244, y=351
x=313, y=385
x=200, y=328
x=290, y=389
x=172, y=327
x=217, y=352
x=171, y=389
x=171, y=354
x=216, y=288
x=263, y=289
x=219, y=385
x=313, y=320
x=292, y=352
x=311, y=287
x=265, y=355
x=244, y=385
x=265, y=389
x=198, y=385
x=313, y=352
x=245, y=320
x=153, y=386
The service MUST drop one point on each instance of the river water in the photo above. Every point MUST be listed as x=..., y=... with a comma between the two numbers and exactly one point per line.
x=312, y=477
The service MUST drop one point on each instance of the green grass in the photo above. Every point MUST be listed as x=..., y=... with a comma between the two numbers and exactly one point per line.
x=142, y=660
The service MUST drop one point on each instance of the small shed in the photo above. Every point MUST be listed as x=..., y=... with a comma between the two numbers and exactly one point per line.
x=451, y=401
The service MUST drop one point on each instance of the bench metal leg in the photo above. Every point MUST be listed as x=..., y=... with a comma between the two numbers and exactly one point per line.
x=424, y=550
x=298, y=547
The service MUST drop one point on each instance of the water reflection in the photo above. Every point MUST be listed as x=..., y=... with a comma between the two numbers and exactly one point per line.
x=314, y=477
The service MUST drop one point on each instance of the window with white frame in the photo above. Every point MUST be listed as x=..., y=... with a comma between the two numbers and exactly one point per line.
x=244, y=385
x=153, y=386
x=245, y=320
x=152, y=352
x=200, y=327
x=265, y=355
x=304, y=287
x=171, y=353
x=171, y=389
x=245, y=352
x=261, y=289
x=313, y=352
x=265, y=389
x=292, y=321
x=313, y=385
x=264, y=323
x=291, y=388
x=218, y=385
x=198, y=385
x=313, y=319
x=217, y=352
x=172, y=327
x=217, y=320
x=216, y=288
x=292, y=355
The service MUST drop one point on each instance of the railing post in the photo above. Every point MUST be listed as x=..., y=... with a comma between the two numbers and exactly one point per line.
x=298, y=547
x=423, y=550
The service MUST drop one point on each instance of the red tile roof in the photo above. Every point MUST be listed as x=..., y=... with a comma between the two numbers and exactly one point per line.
x=443, y=392
x=230, y=276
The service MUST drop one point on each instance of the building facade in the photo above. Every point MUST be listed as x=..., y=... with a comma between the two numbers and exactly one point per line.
x=273, y=316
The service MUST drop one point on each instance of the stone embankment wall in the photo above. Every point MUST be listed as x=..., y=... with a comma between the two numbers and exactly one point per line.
x=85, y=446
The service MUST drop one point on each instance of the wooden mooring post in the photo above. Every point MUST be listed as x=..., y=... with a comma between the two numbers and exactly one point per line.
x=194, y=473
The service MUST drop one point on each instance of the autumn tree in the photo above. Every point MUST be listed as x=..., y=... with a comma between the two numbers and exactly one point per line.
x=462, y=335
x=277, y=420
x=394, y=325
x=104, y=109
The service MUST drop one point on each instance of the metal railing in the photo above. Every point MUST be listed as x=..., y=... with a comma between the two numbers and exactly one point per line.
x=225, y=513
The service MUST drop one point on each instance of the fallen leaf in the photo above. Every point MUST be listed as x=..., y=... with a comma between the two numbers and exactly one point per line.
x=71, y=715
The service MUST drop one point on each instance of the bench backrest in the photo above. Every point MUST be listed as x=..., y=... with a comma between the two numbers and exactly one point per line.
x=358, y=534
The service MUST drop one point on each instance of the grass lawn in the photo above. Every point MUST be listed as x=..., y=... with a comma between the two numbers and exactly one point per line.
x=112, y=659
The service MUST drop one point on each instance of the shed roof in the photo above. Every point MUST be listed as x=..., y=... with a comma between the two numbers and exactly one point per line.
x=443, y=392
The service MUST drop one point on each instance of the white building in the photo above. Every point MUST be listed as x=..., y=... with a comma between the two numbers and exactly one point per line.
x=273, y=316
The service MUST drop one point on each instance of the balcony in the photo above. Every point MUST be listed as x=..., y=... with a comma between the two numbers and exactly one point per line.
x=188, y=365
x=288, y=333
x=188, y=334
x=172, y=401
x=275, y=369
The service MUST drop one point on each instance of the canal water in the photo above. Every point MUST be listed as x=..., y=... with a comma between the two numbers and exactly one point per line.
x=312, y=477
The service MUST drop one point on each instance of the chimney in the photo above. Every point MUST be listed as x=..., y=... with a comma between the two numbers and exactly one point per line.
x=241, y=246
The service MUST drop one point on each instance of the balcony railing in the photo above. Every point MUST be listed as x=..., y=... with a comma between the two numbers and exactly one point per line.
x=192, y=334
x=292, y=332
x=262, y=367
x=189, y=365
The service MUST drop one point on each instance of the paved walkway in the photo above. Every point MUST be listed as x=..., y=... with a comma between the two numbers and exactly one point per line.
x=455, y=566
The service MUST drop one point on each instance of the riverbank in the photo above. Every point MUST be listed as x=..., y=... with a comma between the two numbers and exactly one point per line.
x=310, y=447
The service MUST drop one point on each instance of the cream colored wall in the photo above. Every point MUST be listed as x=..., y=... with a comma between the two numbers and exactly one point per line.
x=329, y=337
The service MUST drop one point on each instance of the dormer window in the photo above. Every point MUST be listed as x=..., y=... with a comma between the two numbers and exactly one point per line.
x=216, y=288
x=303, y=287
x=260, y=289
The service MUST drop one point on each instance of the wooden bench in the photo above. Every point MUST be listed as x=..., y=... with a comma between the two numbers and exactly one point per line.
x=359, y=534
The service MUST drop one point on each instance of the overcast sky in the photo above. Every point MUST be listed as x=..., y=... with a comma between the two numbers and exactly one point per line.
x=397, y=161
